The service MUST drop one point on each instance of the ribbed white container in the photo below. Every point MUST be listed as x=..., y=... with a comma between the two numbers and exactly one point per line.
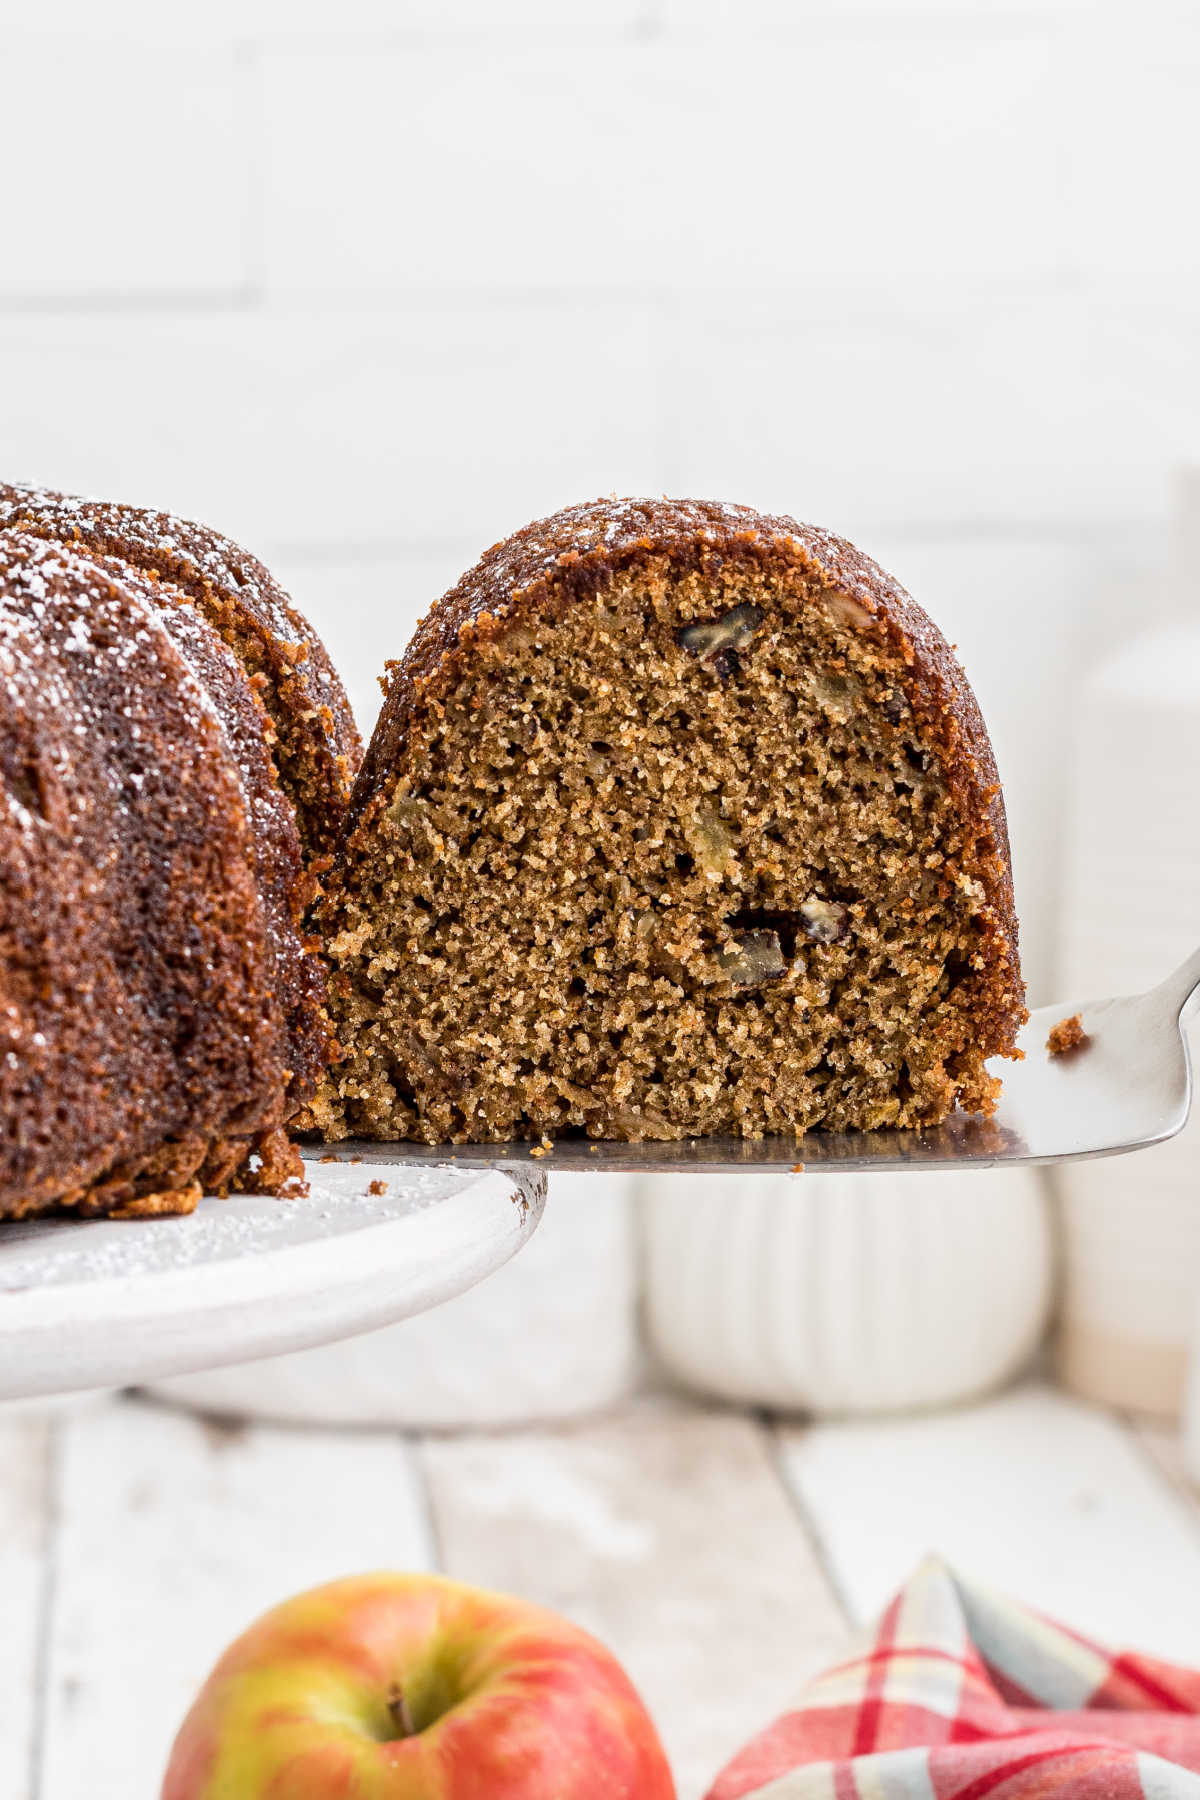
x=550, y=1335
x=1130, y=913
x=844, y=1293
x=1191, y=1405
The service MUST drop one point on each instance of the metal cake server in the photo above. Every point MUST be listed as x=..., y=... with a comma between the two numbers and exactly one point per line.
x=1127, y=1087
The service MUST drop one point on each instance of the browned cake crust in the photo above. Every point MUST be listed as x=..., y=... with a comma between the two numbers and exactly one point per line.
x=741, y=865
x=160, y=1017
x=293, y=975
x=318, y=749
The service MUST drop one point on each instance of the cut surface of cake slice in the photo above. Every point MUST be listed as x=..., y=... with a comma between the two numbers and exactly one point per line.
x=678, y=820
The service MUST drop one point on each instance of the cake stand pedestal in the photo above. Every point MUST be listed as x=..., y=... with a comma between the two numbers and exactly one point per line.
x=107, y=1303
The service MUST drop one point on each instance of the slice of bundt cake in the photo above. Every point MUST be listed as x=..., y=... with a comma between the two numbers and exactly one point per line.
x=677, y=820
x=160, y=1015
x=317, y=749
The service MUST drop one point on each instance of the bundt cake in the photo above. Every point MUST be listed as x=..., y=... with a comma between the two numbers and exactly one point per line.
x=175, y=758
x=316, y=749
x=677, y=820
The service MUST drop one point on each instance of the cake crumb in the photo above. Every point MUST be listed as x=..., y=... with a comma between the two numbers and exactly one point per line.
x=377, y=1187
x=328, y=1159
x=173, y=1203
x=1067, y=1035
x=797, y=1168
x=274, y=1167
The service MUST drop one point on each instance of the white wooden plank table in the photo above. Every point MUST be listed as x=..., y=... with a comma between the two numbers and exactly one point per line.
x=722, y=1557
x=667, y=1532
x=26, y=1560
x=1032, y=1492
x=172, y=1535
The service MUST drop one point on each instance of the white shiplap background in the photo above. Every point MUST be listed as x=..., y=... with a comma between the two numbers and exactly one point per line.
x=370, y=286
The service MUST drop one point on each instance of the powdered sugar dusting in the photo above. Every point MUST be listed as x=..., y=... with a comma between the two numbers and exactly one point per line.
x=152, y=539
x=219, y=576
x=62, y=619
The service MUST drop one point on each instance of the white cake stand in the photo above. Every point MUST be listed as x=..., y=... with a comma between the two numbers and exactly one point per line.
x=103, y=1303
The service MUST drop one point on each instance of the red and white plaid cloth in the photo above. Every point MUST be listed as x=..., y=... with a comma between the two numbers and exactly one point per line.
x=960, y=1695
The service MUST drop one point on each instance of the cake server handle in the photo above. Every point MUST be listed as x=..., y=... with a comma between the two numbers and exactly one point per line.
x=1181, y=989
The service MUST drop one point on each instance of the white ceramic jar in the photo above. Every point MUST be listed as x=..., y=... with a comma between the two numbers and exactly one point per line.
x=550, y=1335
x=1130, y=913
x=846, y=1293
x=1191, y=1408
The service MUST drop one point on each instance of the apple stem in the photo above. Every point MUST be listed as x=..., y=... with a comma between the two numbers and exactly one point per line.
x=398, y=1707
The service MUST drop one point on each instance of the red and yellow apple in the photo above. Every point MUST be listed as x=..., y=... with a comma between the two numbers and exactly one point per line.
x=412, y=1687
